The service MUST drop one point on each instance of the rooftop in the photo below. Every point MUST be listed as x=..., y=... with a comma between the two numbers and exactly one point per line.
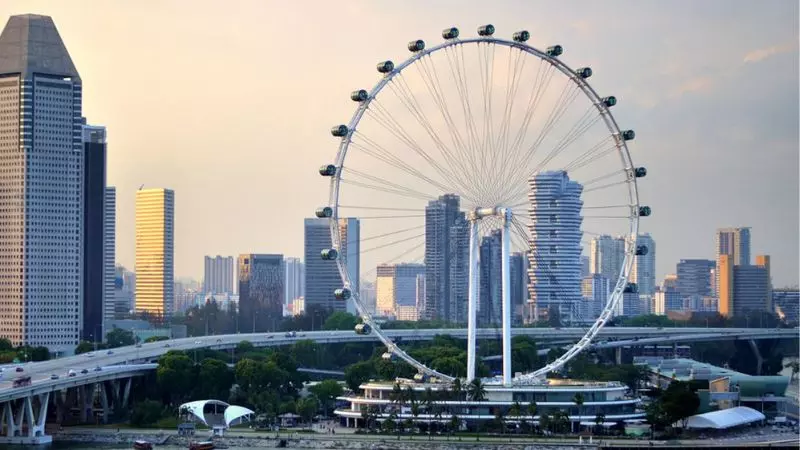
x=31, y=44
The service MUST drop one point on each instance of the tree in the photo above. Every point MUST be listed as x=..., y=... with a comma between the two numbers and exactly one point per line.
x=146, y=412
x=340, y=321
x=175, y=376
x=515, y=411
x=476, y=391
x=795, y=366
x=214, y=380
x=39, y=354
x=307, y=408
x=358, y=373
x=578, y=400
x=155, y=339
x=599, y=420
x=656, y=417
x=86, y=347
x=5, y=345
x=327, y=391
x=679, y=402
x=119, y=338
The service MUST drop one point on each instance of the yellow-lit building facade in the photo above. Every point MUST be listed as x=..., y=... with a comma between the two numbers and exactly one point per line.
x=155, y=225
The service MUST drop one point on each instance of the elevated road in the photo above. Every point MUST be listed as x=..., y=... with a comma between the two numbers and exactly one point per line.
x=42, y=373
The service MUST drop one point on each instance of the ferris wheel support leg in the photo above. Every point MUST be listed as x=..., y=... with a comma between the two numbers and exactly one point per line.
x=472, y=300
x=506, y=288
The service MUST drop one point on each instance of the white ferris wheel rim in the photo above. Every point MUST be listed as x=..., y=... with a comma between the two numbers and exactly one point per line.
x=633, y=224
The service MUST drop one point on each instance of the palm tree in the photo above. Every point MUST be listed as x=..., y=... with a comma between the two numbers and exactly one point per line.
x=515, y=411
x=578, y=400
x=456, y=388
x=415, y=410
x=396, y=396
x=428, y=399
x=455, y=423
x=476, y=391
x=599, y=419
x=532, y=411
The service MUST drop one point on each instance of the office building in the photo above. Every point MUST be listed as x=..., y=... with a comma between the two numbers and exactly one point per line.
x=518, y=265
x=595, y=290
x=555, y=229
x=124, y=288
x=295, y=279
x=606, y=256
x=109, y=256
x=261, y=292
x=744, y=288
x=368, y=295
x=786, y=303
x=490, y=281
x=694, y=277
x=384, y=290
x=218, y=275
x=643, y=270
x=734, y=242
x=586, y=266
x=396, y=287
x=440, y=217
x=458, y=267
x=322, y=276
x=155, y=248
x=94, y=186
x=41, y=188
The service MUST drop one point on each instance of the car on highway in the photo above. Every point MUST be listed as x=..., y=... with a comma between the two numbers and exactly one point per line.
x=138, y=345
x=19, y=369
x=290, y=334
x=71, y=373
x=53, y=377
x=166, y=345
x=197, y=342
x=85, y=371
x=90, y=355
x=97, y=369
x=110, y=352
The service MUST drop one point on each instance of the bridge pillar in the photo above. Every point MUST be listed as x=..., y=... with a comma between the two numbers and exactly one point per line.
x=14, y=425
x=104, y=402
x=84, y=401
x=618, y=355
x=759, y=358
x=126, y=392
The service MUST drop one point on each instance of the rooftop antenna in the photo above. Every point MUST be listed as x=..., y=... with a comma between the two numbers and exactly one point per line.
x=140, y=187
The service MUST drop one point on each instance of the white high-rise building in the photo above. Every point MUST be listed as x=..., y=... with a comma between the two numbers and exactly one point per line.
x=555, y=264
x=295, y=272
x=218, y=275
x=109, y=255
x=41, y=193
x=606, y=255
x=595, y=290
x=643, y=271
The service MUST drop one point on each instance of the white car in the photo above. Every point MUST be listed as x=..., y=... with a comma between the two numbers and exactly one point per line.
x=90, y=354
x=197, y=342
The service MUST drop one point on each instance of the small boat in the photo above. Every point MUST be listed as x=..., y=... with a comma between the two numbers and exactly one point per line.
x=142, y=445
x=205, y=445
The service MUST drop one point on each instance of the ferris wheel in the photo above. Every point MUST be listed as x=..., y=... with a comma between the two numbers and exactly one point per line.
x=482, y=157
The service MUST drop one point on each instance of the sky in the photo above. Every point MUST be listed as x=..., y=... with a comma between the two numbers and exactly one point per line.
x=230, y=104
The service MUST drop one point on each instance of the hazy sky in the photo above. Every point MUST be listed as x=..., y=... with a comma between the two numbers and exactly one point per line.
x=229, y=103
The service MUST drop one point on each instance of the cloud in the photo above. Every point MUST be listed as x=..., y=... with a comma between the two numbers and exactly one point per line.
x=764, y=53
x=696, y=84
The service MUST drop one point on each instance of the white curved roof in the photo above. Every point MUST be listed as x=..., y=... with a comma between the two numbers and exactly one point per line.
x=234, y=412
x=725, y=418
x=231, y=412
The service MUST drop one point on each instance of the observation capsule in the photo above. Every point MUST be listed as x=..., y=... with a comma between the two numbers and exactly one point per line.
x=555, y=50
x=359, y=95
x=584, y=72
x=329, y=254
x=628, y=135
x=342, y=294
x=641, y=250
x=339, y=131
x=327, y=170
x=486, y=30
x=388, y=356
x=450, y=33
x=639, y=172
x=631, y=288
x=416, y=46
x=521, y=36
x=363, y=328
x=385, y=67
x=644, y=211
x=325, y=211
x=609, y=101
x=420, y=378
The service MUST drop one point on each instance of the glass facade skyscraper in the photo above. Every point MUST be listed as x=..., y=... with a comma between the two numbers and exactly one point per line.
x=155, y=241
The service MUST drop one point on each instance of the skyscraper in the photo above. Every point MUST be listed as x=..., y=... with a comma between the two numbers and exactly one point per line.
x=384, y=290
x=155, y=225
x=490, y=279
x=518, y=265
x=218, y=275
x=555, y=229
x=458, y=269
x=94, y=194
x=734, y=242
x=41, y=192
x=694, y=277
x=440, y=216
x=261, y=291
x=595, y=289
x=295, y=278
x=643, y=271
x=109, y=255
x=396, y=288
x=322, y=277
x=606, y=255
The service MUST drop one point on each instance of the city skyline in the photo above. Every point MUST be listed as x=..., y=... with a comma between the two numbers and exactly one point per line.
x=683, y=222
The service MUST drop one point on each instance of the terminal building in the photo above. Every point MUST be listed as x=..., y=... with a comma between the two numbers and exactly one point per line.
x=613, y=399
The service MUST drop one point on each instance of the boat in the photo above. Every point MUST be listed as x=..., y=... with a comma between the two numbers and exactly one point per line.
x=142, y=445
x=205, y=445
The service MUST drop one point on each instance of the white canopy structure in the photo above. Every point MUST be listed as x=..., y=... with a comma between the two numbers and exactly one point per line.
x=725, y=418
x=229, y=413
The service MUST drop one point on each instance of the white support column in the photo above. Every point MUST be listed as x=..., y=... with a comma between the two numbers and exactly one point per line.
x=104, y=401
x=11, y=424
x=126, y=392
x=506, y=293
x=472, y=302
